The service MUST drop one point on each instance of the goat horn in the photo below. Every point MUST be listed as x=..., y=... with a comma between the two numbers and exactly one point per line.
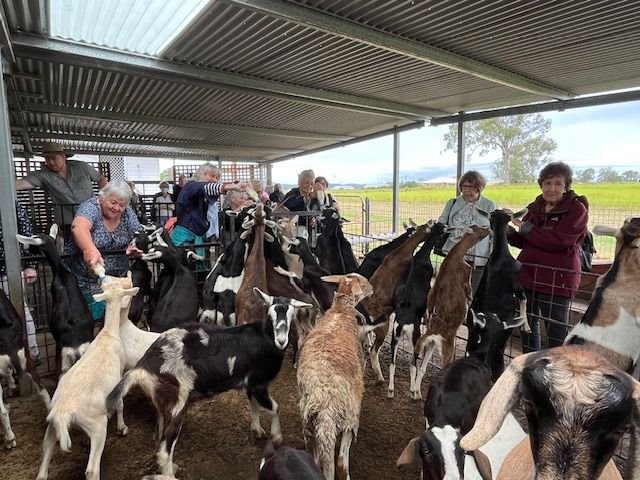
x=161, y=241
x=495, y=406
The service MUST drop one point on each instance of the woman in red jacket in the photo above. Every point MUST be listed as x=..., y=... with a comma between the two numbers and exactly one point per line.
x=550, y=235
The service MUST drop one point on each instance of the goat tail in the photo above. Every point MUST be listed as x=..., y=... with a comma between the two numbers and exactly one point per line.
x=326, y=432
x=136, y=376
x=61, y=425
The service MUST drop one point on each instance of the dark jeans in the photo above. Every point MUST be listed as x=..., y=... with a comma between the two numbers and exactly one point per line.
x=554, y=311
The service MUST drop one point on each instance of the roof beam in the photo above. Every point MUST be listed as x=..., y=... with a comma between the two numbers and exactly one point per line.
x=107, y=116
x=5, y=37
x=393, y=43
x=38, y=138
x=86, y=56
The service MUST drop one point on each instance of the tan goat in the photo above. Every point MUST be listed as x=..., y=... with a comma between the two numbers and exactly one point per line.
x=384, y=282
x=330, y=377
x=578, y=406
x=611, y=324
x=447, y=306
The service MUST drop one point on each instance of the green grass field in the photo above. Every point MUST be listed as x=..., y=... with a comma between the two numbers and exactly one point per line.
x=603, y=194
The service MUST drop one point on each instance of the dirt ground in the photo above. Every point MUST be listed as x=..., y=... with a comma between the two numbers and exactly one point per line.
x=216, y=442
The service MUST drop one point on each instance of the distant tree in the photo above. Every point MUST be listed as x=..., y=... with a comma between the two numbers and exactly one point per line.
x=630, y=176
x=608, y=175
x=521, y=140
x=409, y=184
x=586, y=176
x=166, y=175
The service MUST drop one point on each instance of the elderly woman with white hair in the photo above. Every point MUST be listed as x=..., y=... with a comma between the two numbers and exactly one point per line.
x=102, y=225
x=302, y=198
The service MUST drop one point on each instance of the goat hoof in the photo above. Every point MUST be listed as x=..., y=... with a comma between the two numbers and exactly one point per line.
x=259, y=434
x=277, y=441
x=123, y=431
x=390, y=393
x=10, y=443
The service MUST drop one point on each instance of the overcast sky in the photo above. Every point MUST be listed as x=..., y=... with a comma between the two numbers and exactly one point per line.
x=587, y=137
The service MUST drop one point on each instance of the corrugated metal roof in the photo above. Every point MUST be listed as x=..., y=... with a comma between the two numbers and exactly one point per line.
x=332, y=67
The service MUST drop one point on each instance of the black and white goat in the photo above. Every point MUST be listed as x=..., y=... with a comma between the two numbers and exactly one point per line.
x=70, y=323
x=410, y=300
x=286, y=463
x=208, y=360
x=14, y=360
x=499, y=287
x=141, y=277
x=175, y=296
x=451, y=408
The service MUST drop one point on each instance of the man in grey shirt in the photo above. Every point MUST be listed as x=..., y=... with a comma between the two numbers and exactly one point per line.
x=68, y=182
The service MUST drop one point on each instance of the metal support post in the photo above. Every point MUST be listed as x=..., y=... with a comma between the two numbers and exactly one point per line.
x=396, y=180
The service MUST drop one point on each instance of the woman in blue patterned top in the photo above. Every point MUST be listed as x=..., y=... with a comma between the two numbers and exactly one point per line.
x=102, y=225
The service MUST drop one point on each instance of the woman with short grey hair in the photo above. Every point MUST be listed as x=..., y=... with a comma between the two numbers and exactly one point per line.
x=301, y=198
x=102, y=225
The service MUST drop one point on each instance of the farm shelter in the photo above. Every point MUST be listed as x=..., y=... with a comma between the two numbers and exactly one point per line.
x=267, y=80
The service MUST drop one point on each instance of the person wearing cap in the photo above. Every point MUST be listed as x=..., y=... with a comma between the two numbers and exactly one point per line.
x=163, y=205
x=67, y=182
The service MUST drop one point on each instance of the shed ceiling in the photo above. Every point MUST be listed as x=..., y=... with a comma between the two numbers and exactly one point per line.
x=261, y=80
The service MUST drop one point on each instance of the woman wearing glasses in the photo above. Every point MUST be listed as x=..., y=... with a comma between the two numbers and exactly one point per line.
x=469, y=208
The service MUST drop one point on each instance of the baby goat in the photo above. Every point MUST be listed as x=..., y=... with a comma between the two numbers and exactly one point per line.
x=330, y=380
x=208, y=360
x=80, y=397
x=578, y=406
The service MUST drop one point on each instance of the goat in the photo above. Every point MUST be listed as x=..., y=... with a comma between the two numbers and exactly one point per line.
x=312, y=282
x=80, y=397
x=286, y=463
x=334, y=250
x=378, y=307
x=447, y=305
x=141, y=277
x=611, y=324
x=577, y=405
x=375, y=257
x=330, y=378
x=14, y=358
x=499, y=284
x=70, y=323
x=223, y=282
x=295, y=263
x=451, y=407
x=176, y=291
x=208, y=360
x=255, y=275
x=410, y=300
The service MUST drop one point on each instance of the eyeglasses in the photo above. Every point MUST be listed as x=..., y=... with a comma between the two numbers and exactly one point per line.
x=466, y=186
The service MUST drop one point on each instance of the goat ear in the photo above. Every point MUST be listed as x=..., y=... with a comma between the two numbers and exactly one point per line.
x=161, y=241
x=98, y=297
x=332, y=278
x=605, y=230
x=483, y=464
x=53, y=231
x=495, y=406
x=409, y=456
x=298, y=304
x=412, y=223
x=131, y=292
x=266, y=298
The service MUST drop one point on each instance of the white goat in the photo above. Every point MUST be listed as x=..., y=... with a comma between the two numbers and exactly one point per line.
x=80, y=398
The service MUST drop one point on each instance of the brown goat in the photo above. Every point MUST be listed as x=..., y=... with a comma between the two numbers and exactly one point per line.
x=578, y=406
x=247, y=308
x=447, y=305
x=384, y=281
x=330, y=377
x=610, y=324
